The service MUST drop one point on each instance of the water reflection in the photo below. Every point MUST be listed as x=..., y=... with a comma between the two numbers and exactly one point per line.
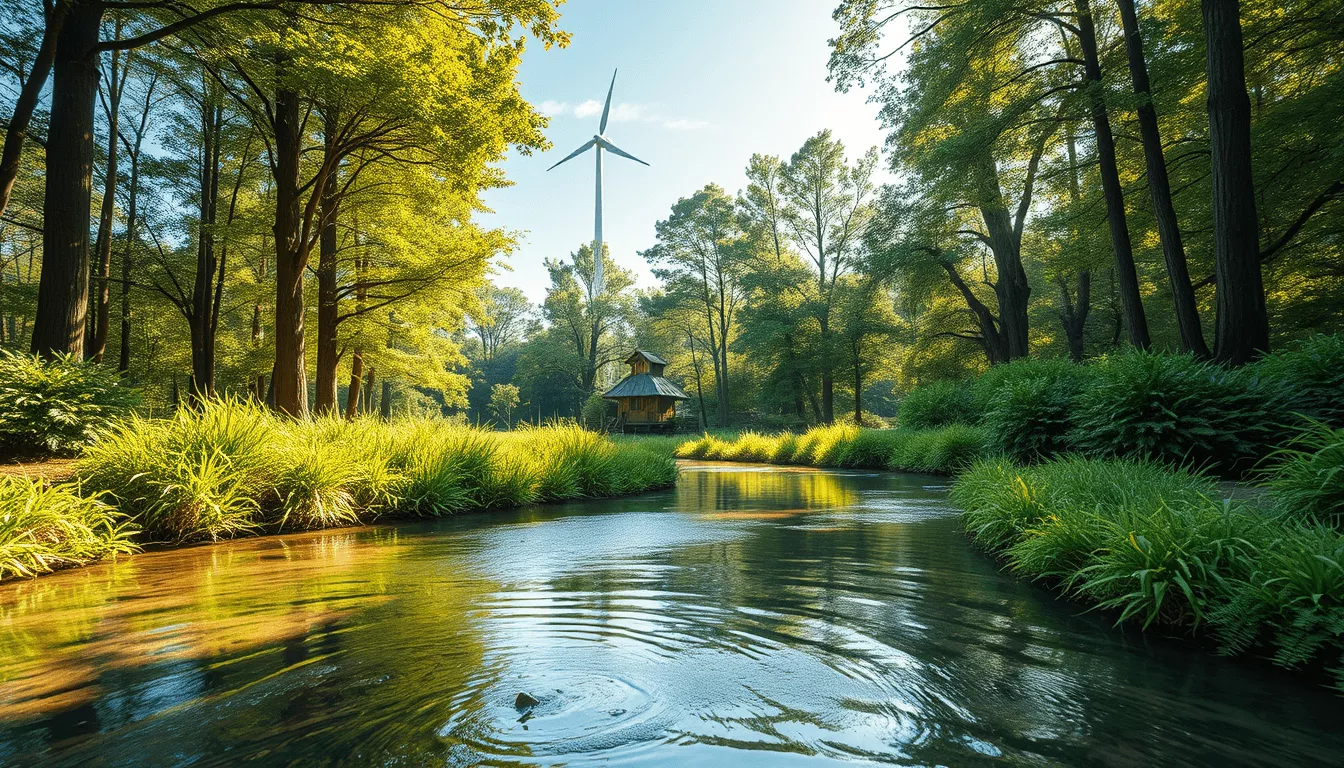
x=752, y=615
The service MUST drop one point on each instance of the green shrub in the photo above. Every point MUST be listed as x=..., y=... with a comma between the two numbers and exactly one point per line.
x=937, y=404
x=1172, y=408
x=1310, y=373
x=1306, y=478
x=56, y=407
x=1028, y=406
x=1157, y=545
x=43, y=528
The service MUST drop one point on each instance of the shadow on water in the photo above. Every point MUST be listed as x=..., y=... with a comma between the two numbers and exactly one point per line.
x=753, y=615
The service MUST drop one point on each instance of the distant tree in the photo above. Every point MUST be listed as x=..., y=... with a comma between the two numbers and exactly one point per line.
x=503, y=399
x=502, y=317
x=700, y=256
x=827, y=204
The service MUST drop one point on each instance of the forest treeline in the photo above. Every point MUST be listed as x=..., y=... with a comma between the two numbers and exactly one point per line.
x=1068, y=178
x=254, y=195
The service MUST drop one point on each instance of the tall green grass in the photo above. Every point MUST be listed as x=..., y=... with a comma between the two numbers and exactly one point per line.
x=231, y=468
x=43, y=528
x=937, y=451
x=1159, y=546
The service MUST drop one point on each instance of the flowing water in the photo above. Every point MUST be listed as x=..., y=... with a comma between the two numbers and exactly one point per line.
x=751, y=616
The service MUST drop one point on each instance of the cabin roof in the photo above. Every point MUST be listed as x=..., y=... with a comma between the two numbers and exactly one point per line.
x=652, y=358
x=645, y=385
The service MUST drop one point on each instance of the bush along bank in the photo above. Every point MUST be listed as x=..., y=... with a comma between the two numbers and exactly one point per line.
x=940, y=450
x=1159, y=546
x=229, y=469
x=1167, y=407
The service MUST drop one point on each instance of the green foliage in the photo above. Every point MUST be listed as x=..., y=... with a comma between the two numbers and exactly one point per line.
x=1311, y=371
x=43, y=528
x=1028, y=406
x=231, y=468
x=1307, y=476
x=937, y=451
x=937, y=404
x=1172, y=408
x=56, y=407
x=1159, y=546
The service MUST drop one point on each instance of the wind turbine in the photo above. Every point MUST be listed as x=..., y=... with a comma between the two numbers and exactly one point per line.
x=600, y=142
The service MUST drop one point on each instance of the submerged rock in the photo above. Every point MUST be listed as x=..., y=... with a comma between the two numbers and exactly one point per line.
x=524, y=701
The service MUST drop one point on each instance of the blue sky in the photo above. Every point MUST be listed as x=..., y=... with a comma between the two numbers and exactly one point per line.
x=703, y=84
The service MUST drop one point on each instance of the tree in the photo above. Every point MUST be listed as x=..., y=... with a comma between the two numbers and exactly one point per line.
x=500, y=319
x=1242, y=332
x=503, y=399
x=1159, y=187
x=585, y=332
x=701, y=252
x=827, y=206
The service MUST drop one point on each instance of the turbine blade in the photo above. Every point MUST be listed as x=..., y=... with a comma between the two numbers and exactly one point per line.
x=591, y=143
x=615, y=150
x=607, y=109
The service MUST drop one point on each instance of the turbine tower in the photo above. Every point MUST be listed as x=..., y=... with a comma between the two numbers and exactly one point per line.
x=600, y=142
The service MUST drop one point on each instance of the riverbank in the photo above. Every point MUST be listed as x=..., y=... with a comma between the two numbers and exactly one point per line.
x=236, y=469
x=1260, y=573
x=931, y=451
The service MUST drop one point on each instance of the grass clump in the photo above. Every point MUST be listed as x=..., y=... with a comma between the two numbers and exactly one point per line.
x=44, y=527
x=937, y=451
x=56, y=407
x=231, y=468
x=1310, y=372
x=1159, y=546
x=937, y=404
x=1307, y=477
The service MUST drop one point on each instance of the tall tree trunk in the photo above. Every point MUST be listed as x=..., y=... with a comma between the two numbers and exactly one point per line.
x=858, y=392
x=369, y=391
x=357, y=358
x=328, y=353
x=16, y=132
x=1130, y=296
x=1074, y=315
x=356, y=380
x=290, y=380
x=1012, y=289
x=1242, y=332
x=103, y=243
x=127, y=257
x=202, y=312
x=1159, y=186
x=385, y=403
x=63, y=290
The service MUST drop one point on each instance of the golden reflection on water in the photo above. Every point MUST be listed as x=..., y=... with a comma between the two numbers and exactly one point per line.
x=58, y=634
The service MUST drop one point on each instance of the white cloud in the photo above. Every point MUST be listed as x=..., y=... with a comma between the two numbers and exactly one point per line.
x=588, y=109
x=624, y=112
x=682, y=124
x=552, y=108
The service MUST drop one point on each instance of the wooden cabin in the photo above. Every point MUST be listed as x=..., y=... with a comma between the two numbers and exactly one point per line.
x=645, y=401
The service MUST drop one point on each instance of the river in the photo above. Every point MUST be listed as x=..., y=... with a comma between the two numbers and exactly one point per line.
x=751, y=616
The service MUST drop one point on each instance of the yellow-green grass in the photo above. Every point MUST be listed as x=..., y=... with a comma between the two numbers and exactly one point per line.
x=1160, y=546
x=44, y=528
x=231, y=468
x=938, y=451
